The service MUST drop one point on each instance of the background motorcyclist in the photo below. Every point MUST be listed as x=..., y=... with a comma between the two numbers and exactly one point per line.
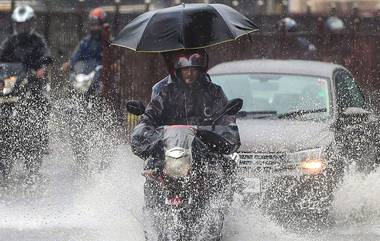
x=25, y=45
x=29, y=48
x=291, y=46
x=91, y=46
x=96, y=109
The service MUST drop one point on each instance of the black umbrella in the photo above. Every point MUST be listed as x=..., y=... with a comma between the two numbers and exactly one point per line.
x=186, y=26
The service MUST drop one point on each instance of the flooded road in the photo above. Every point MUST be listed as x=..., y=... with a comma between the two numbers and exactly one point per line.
x=64, y=205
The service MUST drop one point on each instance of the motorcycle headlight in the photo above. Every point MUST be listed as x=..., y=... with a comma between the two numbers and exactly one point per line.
x=9, y=84
x=83, y=82
x=177, y=162
x=311, y=162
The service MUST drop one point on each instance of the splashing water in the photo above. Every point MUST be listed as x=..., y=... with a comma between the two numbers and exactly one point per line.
x=108, y=206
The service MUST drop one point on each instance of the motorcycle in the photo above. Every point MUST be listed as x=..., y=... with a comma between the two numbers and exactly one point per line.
x=21, y=120
x=85, y=80
x=189, y=188
x=85, y=112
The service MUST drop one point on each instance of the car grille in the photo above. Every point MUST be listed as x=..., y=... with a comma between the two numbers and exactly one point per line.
x=256, y=163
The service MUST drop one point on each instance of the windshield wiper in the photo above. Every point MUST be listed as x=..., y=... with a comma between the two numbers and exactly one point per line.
x=301, y=112
x=257, y=114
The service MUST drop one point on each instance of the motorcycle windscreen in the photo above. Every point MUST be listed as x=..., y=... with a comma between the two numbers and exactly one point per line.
x=85, y=67
x=10, y=69
x=178, y=136
x=10, y=76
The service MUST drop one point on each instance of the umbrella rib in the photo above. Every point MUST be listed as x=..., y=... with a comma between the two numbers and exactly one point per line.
x=149, y=21
x=182, y=32
x=228, y=27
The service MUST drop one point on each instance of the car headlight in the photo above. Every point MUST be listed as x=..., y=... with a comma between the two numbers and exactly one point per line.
x=9, y=84
x=177, y=162
x=311, y=161
x=83, y=82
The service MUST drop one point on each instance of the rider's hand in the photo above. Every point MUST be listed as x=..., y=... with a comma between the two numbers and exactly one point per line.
x=66, y=66
x=40, y=73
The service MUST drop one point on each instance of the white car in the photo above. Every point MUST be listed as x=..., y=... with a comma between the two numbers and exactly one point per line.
x=301, y=124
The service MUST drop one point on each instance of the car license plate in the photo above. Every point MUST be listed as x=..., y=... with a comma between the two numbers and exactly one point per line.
x=252, y=185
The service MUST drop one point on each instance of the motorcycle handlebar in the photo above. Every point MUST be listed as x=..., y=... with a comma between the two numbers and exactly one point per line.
x=209, y=136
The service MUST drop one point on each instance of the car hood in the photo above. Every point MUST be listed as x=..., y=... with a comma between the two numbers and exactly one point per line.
x=264, y=135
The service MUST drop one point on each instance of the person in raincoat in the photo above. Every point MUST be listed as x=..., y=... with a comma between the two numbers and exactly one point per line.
x=186, y=96
x=91, y=46
x=26, y=46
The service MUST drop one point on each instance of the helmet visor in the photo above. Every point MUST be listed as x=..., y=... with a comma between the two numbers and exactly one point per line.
x=24, y=28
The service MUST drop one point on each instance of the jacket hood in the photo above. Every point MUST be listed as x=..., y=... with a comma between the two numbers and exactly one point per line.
x=263, y=135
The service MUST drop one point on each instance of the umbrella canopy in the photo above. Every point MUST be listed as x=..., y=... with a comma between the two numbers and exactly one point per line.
x=186, y=26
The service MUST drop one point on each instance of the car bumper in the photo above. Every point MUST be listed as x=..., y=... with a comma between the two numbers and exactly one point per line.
x=270, y=179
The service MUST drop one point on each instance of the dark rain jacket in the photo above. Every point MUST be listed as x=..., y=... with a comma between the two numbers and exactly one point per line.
x=178, y=104
x=89, y=48
x=31, y=50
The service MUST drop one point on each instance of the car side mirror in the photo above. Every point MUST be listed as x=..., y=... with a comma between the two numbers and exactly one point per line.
x=355, y=111
x=135, y=107
x=353, y=116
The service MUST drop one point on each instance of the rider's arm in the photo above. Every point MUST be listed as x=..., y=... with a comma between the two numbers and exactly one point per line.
x=45, y=59
x=146, y=141
x=153, y=112
x=6, y=50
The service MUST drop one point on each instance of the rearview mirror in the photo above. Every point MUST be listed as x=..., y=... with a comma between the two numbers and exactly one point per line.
x=233, y=107
x=135, y=107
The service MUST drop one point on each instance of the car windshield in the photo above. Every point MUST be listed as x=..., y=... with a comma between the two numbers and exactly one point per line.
x=278, y=94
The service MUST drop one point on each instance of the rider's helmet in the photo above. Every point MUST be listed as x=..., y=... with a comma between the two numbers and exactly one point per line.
x=24, y=20
x=334, y=24
x=173, y=60
x=287, y=25
x=191, y=59
x=197, y=60
x=96, y=21
x=97, y=16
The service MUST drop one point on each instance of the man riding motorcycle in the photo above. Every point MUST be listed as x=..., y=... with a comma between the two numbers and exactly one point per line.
x=91, y=46
x=89, y=111
x=25, y=45
x=187, y=98
x=29, y=48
